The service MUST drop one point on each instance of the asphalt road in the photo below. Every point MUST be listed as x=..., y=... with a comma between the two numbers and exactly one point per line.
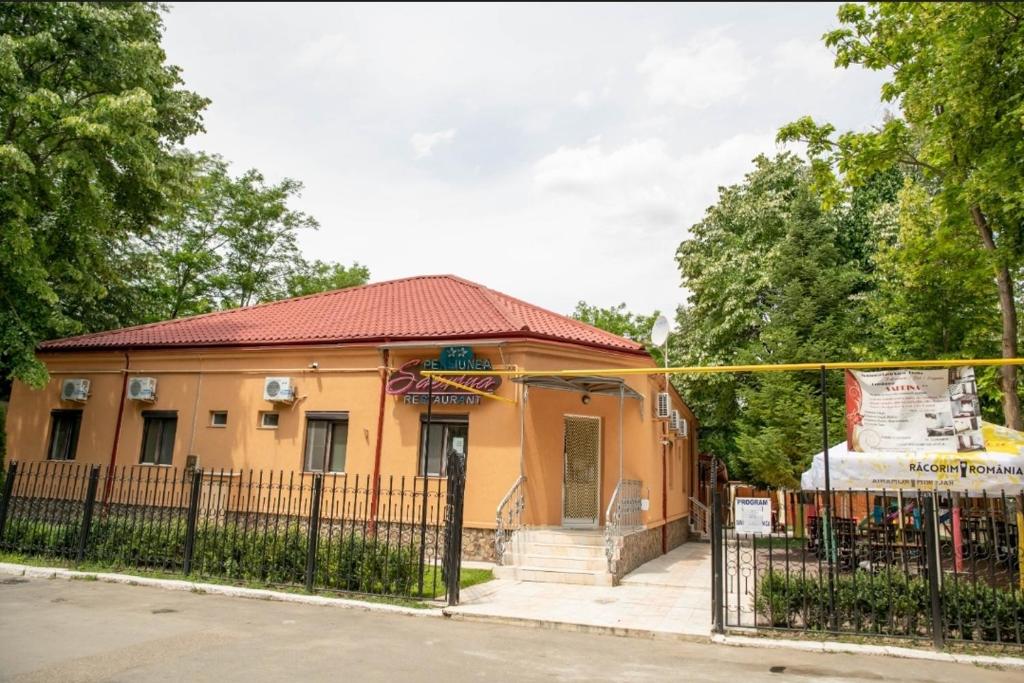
x=58, y=630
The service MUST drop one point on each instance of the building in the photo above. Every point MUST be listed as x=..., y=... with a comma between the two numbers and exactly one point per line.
x=204, y=392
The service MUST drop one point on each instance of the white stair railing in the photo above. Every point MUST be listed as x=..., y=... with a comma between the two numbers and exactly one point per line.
x=509, y=517
x=700, y=518
x=624, y=514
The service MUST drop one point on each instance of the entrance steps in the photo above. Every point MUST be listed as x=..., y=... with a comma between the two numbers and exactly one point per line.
x=556, y=555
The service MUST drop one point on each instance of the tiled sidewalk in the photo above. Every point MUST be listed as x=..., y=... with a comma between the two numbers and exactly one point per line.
x=669, y=596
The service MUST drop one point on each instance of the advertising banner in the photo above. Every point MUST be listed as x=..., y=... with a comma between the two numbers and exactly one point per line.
x=913, y=411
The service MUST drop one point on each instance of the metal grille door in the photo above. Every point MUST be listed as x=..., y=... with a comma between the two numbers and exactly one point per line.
x=581, y=484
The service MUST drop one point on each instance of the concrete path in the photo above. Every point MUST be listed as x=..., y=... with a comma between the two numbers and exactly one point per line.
x=76, y=631
x=667, y=597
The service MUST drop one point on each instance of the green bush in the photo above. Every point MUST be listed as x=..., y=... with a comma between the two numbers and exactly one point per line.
x=231, y=551
x=890, y=603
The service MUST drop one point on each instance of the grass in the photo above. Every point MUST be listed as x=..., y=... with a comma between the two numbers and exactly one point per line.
x=764, y=543
x=467, y=577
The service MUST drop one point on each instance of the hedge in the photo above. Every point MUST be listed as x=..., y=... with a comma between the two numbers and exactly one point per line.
x=891, y=603
x=348, y=563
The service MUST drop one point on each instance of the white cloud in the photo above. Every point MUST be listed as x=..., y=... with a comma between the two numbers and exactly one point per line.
x=642, y=186
x=330, y=50
x=584, y=99
x=709, y=69
x=423, y=144
x=808, y=57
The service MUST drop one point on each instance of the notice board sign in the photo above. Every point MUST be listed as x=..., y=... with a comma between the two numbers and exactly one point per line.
x=753, y=516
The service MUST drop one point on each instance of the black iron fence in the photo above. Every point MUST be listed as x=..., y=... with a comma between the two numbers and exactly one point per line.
x=395, y=536
x=939, y=567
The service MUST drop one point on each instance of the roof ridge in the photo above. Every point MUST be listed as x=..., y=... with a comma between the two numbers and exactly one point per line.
x=263, y=304
x=572, y=320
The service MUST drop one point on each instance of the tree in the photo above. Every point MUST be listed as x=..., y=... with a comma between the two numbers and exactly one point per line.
x=90, y=114
x=622, y=322
x=311, y=277
x=231, y=242
x=957, y=72
x=262, y=240
x=774, y=278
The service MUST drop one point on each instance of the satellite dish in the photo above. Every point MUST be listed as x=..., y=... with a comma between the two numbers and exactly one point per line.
x=659, y=333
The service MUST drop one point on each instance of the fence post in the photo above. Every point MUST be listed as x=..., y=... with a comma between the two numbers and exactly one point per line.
x=453, y=534
x=717, y=602
x=934, y=566
x=90, y=502
x=314, y=531
x=190, y=526
x=5, y=500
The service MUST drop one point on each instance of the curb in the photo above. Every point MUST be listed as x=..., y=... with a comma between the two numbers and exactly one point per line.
x=213, y=589
x=571, y=627
x=830, y=646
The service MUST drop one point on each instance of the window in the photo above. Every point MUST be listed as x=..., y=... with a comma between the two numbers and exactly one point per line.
x=448, y=434
x=158, y=437
x=64, y=428
x=218, y=418
x=269, y=420
x=326, y=442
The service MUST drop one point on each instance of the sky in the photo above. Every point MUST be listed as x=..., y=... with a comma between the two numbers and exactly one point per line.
x=556, y=153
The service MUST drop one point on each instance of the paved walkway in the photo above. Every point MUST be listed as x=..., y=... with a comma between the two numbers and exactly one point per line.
x=669, y=596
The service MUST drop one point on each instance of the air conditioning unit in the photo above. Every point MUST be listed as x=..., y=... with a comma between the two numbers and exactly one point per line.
x=142, y=389
x=75, y=390
x=684, y=427
x=278, y=389
x=673, y=421
x=661, y=407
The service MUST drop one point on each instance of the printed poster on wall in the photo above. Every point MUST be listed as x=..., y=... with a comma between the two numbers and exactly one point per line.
x=913, y=411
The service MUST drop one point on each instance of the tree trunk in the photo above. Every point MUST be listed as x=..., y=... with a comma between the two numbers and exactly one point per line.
x=1008, y=311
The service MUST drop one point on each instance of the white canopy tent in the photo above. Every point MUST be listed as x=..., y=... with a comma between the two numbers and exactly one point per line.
x=999, y=469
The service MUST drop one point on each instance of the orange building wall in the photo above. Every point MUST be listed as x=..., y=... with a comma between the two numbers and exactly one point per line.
x=194, y=382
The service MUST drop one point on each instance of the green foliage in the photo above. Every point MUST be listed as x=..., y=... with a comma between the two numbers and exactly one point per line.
x=89, y=114
x=774, y=278
x=622, y=322
x=229, y=242
x=310, y=277
x=107, y=220
x=956, y=74
x=231, y=551
x=890, y=603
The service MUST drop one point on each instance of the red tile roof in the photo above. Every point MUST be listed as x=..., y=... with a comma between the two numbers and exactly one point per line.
x=429, y=307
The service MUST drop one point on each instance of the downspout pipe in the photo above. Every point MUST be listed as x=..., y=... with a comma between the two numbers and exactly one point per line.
x=380, y=438
x=108, y=485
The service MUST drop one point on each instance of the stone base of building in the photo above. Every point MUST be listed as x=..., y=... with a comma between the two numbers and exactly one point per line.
x=643, y=546
x=678, y=532
x=637, y=548
x=478, y=544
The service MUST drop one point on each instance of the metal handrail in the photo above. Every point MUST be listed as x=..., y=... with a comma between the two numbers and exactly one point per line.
x=702, y=517
x=624, y=513
x=512, y=513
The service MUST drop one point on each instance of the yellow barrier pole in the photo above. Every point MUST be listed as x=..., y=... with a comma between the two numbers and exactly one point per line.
x=470, y=389
x=724, y=369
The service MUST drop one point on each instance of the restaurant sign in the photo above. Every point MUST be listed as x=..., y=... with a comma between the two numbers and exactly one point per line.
x=408, y=381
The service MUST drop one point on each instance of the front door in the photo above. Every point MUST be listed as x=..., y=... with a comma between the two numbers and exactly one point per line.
x=581, y=473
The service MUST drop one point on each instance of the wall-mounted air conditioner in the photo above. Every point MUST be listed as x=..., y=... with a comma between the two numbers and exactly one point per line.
x=74, y=390
x=142, y=389
x=684, y=427
x=278, y=390
x=673, y=421
x=661, y=407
